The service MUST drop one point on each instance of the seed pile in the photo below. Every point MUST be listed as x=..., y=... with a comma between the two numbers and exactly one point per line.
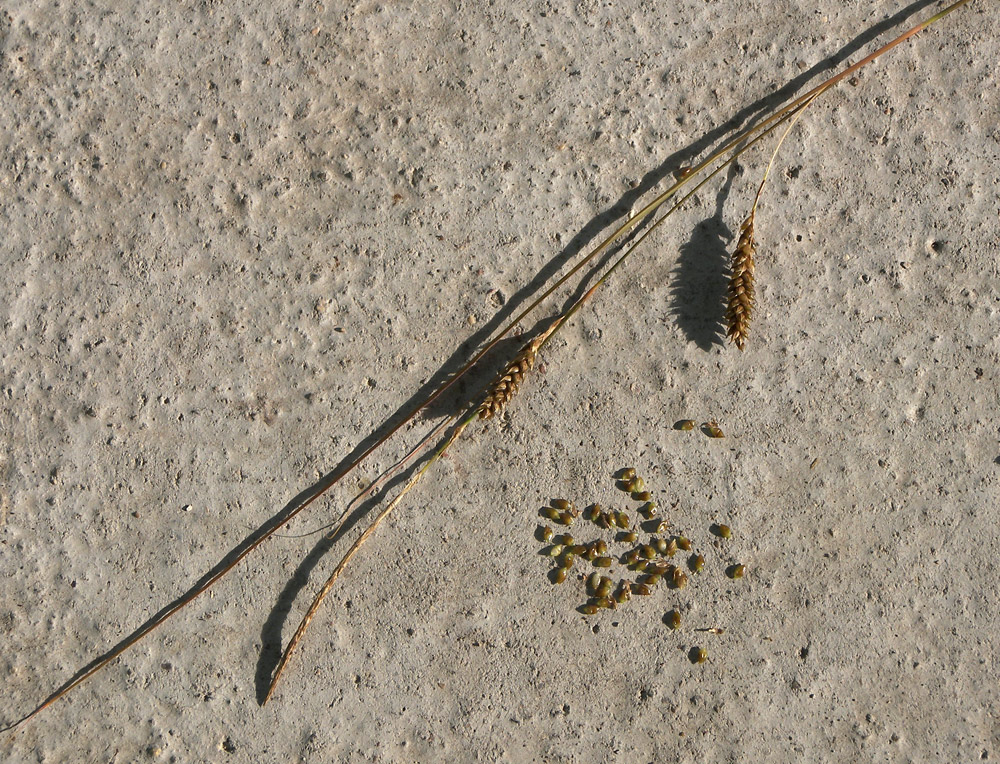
x=653, y=556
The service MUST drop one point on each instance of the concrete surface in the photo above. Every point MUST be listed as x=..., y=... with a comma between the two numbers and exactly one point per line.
x=239, y=237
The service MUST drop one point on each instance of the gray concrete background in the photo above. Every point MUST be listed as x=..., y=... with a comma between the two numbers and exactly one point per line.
x=237, y=237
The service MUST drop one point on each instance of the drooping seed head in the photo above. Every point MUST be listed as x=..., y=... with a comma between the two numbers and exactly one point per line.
x=741, y=286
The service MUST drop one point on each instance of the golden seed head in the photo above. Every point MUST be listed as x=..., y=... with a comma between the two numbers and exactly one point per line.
x=741, y=286
x=509, y=379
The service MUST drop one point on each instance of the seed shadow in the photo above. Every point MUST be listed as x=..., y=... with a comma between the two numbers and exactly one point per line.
x=700, y=279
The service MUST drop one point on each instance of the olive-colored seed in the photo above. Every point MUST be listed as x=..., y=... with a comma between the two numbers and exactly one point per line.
x=648, y=552
x=579, y=549
x=562, y=504
x=566, y=540
x=683, y=543
x=712, y=430
x=545, y=534
x=604, y=591
x=556, y=550
x=623, y=485
x=623, y=596
x=674, y=619
x=649, y=510
x=696, y=563
x=588, y=609
x=641, y=566
x=593, y=512
x=661, y=544
x=602, y=562
x=621, y=519
x=568, y=559
x=735, y=571
x=680, y=578
x=642, y=495
x=671, y=548
x=722, y=531
x=632, y=557
x=641, y=589
x=630, y=538
x=551, y=513
x=685, y=424
x=628, y=473
x=610, y=519
x=659, y=568
x=638, y=484
x=600, y=546
x=630, y=485
x=661, y=527
x=594, y=580
x=560, y=575
x=566, y=518
x=604, y=602
x=591, y=553
x=698, y=655
x=652, y=579
x=602, y=521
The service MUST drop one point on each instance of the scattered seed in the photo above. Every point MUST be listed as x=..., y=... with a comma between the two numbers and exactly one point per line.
x=722, y=531
x=661, y=527
x=630, y=537
x=696, y=563
x=735, y=571
x=591, y=552
x=712, y=430
x=556, y=550
x=684, y=424
x=606, y=602
x=642, y=496
x=551, y=513
x=713, y=630
x=683, y=543
x=621, y=519
x=562, y=504
x=545, y=533
x=612, y=518
x=632, y=557
x=566, y=518
x=680, y=578
x=649, y=510
x=602, y=562
x=624, y=591
x=560, y=575
x=594, y=512
x=671, y=548
x=600, y=547
x=566, y=540
x=698, y=655
x=660, y=544
x=604, y=590
x=579, y=549
x=588, y=610
x=568, y=559
x=593, y=581
x=648, y=552
x=628, y=473
x=638, y=484
x=652, y=579
x=674, y=620
x=641, y=589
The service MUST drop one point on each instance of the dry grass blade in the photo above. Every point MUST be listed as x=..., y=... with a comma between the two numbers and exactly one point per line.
x=741, y=294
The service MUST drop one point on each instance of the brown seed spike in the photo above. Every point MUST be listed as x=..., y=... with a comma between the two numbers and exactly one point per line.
x=741, y=286
x=509, y=380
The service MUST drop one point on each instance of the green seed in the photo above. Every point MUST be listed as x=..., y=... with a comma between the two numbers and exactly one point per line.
x=660, y=568
x=588, y=609
x=551, y=513
x=632, y=557
x=680, y=578
x=604, y=590
x=568, y=559
x=623, y=596
x=624, y=484
x=641, y=589
x=685, y=424
x=560, y=575
x=612, y=518
x=660, y=544
x=674, y=620
x=545, y=534
x=566, y=518
x=594, y=580
x=696, y=563
x=642, y=496
x=562, y=504
x=683, y=543
x=602, y=562
x=628, y=473
x=698, y=655
x=649, y=510
x=638, y=484
x=602, y=521
x=591, y=553
x=621, y=519
x=735, y=571
x=648, y=552
x=722, y=531
x=579, y=549
x=712, y=430
x=594, y=512
x=652, y=579
x=605, y=602
x=630, y=537
x=556, y=550
x=641, y=566
x=567, y=540
x=600, y=547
